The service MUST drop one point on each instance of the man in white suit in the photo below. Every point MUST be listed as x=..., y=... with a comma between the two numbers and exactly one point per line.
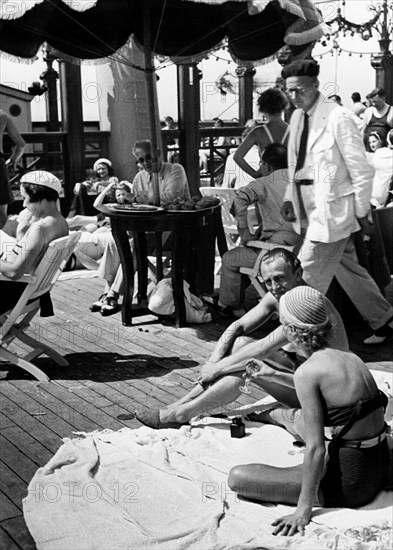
x=328, y=196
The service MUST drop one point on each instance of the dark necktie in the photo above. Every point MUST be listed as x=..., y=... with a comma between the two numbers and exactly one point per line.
x=301, y=157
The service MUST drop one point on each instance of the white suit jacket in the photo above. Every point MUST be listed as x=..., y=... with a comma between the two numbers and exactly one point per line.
x=342, y=176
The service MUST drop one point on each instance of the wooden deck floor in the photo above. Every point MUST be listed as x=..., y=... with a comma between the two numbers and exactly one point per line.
x=113, y=369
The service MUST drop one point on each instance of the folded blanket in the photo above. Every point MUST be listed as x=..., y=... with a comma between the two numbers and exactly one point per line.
x=167, y=490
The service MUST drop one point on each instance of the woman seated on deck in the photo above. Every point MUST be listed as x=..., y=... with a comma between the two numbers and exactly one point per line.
x=25, y=238
x=336, y=390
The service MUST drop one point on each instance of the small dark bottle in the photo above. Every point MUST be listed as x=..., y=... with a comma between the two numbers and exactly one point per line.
x=238, y=428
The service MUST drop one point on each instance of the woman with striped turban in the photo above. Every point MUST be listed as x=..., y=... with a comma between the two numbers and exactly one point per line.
x=337, y=391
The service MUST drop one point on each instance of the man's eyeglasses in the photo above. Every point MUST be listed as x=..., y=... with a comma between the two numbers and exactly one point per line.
x=297, y=91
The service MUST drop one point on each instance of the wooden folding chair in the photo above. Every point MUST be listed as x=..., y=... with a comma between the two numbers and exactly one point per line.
x=255, y=272
x=38, y=284
x=229, y=222
x=226, y=197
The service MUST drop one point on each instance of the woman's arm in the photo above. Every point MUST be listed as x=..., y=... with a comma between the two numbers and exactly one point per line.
x=307, y=386
x=11, y=225
x=100, y=198
x=17, y=224
x=242, y=151
x=113, y=180
x=19, y=143
x=24, y=253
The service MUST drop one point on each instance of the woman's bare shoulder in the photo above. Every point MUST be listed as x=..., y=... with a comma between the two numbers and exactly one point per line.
x=49, y=228
x=331, y=362
x=321, y=360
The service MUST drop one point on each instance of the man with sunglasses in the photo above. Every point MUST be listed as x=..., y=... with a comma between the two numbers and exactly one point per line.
x=328, y=196
x=172, y=179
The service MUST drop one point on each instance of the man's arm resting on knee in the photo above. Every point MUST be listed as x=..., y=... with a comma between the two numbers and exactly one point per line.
x=247, y=324
x=237, y=361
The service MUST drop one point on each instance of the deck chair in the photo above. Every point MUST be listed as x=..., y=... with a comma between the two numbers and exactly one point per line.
x=229, y=223
x=226, y=197
x=15, y=322
x=254, y=272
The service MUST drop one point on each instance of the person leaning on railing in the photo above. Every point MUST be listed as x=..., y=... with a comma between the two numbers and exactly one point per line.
x=271, y=104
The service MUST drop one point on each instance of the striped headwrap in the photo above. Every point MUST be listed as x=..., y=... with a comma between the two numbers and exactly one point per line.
x=304, y=307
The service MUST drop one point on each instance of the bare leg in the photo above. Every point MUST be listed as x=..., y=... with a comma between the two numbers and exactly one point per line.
x=290, y=419
x=269, y=484
x=278, y=383
x=192, y=394
x=266, y=483
x=225, y=390
x=197, y=390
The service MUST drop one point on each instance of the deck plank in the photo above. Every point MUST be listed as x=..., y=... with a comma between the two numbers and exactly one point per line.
x=25, y=443
x=7, y=508
x=6, y=542
x=17, y=461
x=18, y=531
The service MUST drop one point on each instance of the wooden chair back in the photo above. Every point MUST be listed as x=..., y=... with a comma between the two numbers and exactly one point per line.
x=226, y=197
x=16, y=321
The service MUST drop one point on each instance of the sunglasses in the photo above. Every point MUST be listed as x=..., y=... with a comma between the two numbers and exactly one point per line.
x=297, y=91
x=142, y=160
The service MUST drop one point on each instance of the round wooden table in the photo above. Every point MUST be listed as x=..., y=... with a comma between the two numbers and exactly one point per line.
x=186, y=229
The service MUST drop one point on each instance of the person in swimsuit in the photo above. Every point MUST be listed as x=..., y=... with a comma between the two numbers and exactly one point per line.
x=234, y=177
x=335, y=390
x=6, y=196
x=378, y=117
x=271, y=104
x=222, y=375
x=24, y=239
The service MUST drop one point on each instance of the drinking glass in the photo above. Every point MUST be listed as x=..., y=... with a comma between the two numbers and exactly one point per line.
x=251, y=368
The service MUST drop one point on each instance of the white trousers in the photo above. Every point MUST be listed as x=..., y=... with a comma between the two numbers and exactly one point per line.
x=323, y=261
x=98, y=250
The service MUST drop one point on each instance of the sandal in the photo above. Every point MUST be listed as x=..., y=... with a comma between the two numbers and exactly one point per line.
x=109, y=307
x=96, y=306
x=151, y=418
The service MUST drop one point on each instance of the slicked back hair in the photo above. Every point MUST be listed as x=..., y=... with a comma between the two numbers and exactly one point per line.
x=289, y=257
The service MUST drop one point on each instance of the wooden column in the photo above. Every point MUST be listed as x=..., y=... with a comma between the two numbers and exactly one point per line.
x=245, y=76
x=72, y=123
x=49, y=78
x=188, y=109
x=383, y=61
